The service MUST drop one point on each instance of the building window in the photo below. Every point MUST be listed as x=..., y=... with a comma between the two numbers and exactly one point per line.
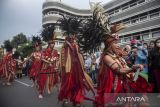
x=116, y=11
x=154, y=15
x=133, y=4
x=143, y=18
x=127, y=39
x=156, y=34
x=126, y=22
x=111, y=13
x=145, y=36
x=61, y=43
x=137, y=37
x=141, y=1
x=134, y=20
x=124, y=8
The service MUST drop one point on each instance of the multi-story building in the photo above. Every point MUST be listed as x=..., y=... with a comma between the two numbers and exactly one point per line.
x=142, y=17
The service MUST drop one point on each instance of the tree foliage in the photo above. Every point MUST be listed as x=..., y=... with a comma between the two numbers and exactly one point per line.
x=18, y=40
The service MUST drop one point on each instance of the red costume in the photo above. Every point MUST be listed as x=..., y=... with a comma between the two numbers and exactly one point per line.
x=114, y=76
x=1, y=61
x=9, y=66
x=36, y=65
x=111, y=82
x=36, y=57
x=48, y=73
x=74, y=79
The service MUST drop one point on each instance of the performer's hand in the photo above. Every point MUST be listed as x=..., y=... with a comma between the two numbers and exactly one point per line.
x=54, y=58
x=50, y=64
x=134, y=67
x=56, y=68
x=141, y=67
x=138, y=66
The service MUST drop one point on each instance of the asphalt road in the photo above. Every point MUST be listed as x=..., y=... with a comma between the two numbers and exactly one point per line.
x=21, y=94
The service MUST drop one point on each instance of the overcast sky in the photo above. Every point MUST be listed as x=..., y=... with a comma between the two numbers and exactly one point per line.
x=25, y=16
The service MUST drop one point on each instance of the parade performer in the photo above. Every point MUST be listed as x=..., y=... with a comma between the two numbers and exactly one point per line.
x=8, y=66
x=48, y=76
x=1, y=62
x=114, y=76
x=19, y=64
x=36, y=60
x=74, y=79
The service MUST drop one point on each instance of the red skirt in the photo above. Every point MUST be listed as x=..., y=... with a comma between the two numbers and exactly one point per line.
x=35, y=69
x=141, y=86
x=72, y=86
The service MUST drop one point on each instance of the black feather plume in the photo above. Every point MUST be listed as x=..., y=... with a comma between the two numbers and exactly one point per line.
x=47, y=33
x=94, y=30
x=36, y=39
x=70, y=25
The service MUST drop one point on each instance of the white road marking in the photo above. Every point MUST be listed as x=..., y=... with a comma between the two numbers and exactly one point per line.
x=23, y=83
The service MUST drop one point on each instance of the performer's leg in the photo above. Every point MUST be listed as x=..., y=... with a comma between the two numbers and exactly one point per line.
x=42, y=82
x=49, y=84
x=33, y=81
x=8, y=79
x=56, y=81
x=65, y=103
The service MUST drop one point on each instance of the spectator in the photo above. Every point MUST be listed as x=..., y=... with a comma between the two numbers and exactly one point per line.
x=132, y=56
x=127, y=48
x=19, y=66
x=151, y=45
x=93, y=68
x=145, y=46
x=142, y=57
x=27, y=67
x=88, y=62
x=155, y=65
x=150, y=50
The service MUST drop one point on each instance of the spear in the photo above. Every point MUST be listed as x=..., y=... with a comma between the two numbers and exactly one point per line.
x=136, y=75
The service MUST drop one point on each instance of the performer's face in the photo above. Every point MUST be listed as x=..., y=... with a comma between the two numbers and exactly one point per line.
x=158, y=43
x=115, y=44
x=52, y=45
x=38, y=48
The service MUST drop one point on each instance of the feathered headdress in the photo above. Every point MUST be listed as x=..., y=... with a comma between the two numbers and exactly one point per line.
x=36, y=41
x=8, y=46
x=48, y=33
x=70, y=25
x=97, y=29
x=16, y=55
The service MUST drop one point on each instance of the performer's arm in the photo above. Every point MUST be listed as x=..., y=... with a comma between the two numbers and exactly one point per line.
x=22, y=62
x=69, y=44
x=115, y=66
x=44, y=60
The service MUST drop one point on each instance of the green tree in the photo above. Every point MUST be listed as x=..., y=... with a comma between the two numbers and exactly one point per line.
x=6, y=43
x=18, y=40
x=25, y=49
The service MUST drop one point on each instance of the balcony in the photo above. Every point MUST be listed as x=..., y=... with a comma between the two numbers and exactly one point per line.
x=155, y=23
x=135, y=11
x=48, y=19
x=66, y=8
